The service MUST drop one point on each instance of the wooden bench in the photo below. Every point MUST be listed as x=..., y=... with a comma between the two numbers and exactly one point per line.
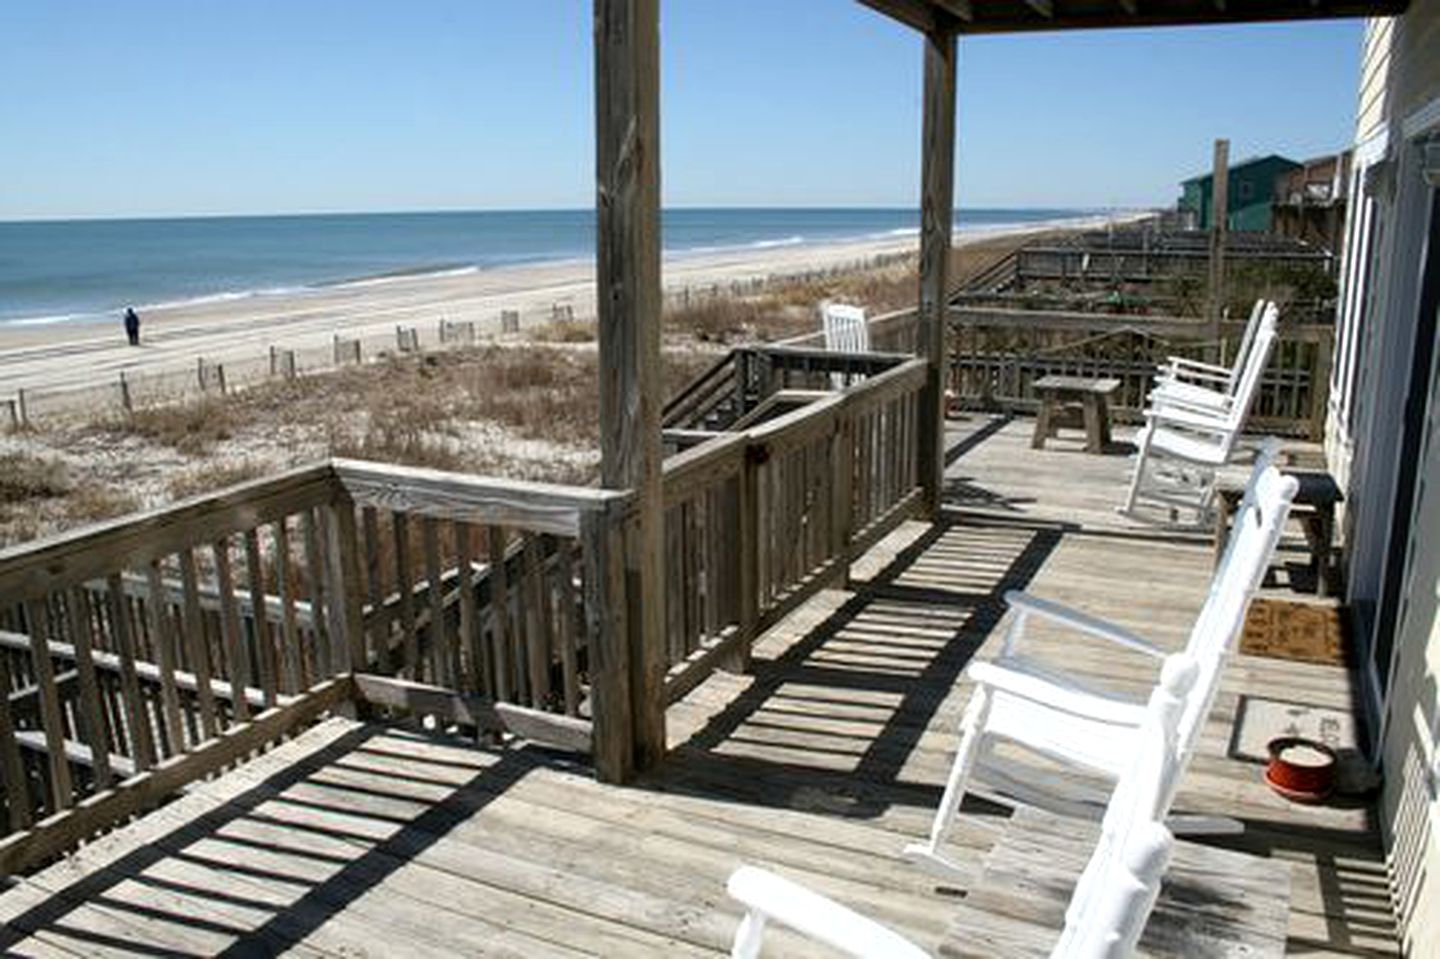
x=1059, y=395
x=1314, y=507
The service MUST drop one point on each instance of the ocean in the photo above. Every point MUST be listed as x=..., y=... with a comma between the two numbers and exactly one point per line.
x=56, y=271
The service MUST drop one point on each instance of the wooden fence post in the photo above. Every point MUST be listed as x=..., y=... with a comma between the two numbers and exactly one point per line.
x=22, y=407
x=509, y=321
x=220, y=376
x=125, y=403
x=1219, y=224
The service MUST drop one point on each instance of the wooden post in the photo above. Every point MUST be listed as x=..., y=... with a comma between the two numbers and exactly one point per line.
x=125, y=402
x=1219, y=214
x=347, y=627
x=220, y=376
x=22, y=410
x=608, y=635
x=627, y=198
x=747, y=546
x=937, y=194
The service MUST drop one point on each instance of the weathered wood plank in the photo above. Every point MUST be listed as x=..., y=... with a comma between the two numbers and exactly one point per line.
x=551, y=729
x=542, y=507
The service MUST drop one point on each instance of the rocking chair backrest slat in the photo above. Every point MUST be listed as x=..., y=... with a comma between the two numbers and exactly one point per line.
x=1255, y=363
x=1247, y=340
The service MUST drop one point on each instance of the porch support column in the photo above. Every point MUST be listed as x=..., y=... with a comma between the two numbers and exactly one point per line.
x=937, y=204
x=627, y=202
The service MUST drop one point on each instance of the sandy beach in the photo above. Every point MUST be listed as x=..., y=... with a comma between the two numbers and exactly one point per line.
x=242, y=330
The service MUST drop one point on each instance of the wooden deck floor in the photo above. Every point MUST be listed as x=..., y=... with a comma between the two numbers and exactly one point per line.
x=359, y=839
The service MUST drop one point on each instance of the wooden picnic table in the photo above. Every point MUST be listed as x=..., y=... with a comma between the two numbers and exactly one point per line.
x=1061, y=394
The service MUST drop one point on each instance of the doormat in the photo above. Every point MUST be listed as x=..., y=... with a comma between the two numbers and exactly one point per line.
x=1303, y=632
x=1259, y=720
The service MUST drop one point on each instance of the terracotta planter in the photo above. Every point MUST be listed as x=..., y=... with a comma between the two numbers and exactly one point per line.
x=1300, y=769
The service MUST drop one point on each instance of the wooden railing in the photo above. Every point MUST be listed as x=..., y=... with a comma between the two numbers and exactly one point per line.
x=996, y=355
x=760, y=519
x=145, y=653
x=139, y=655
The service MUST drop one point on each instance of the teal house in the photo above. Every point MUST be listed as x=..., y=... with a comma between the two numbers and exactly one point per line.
x=1251, y=192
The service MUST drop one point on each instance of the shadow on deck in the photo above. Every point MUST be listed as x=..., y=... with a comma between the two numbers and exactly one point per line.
x=359, y=838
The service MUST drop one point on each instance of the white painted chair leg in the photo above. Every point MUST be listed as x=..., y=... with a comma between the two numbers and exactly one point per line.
x=928, y=854
x=1141, y=454
x=748, y=936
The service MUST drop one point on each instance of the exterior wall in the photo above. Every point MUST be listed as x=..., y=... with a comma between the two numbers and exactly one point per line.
x=1393, y=508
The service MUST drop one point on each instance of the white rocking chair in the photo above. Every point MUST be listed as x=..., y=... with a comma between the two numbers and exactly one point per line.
x=1112, y=899
x=1020, y=701
x=846, y=331
x=1184, y=382
x=1183, y=445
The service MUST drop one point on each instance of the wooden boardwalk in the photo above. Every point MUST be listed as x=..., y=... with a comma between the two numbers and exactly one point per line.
x=363, y=839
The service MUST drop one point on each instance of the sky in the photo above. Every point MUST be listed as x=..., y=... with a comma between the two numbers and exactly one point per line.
x=194, y=107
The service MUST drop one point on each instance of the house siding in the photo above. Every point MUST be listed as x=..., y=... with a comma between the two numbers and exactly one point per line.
x=1394, y=573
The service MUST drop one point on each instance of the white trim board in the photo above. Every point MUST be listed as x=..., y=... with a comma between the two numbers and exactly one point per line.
x=1420, y=121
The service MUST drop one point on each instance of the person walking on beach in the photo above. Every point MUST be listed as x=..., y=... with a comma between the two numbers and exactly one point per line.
x=132, y=325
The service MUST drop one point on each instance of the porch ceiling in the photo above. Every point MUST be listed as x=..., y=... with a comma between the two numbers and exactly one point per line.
x=1013, y=16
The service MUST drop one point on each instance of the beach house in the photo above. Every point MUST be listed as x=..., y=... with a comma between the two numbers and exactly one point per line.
x=1252, y=190
x=361, y=708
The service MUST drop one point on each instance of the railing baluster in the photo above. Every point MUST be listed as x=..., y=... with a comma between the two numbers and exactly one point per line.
x=137, y=724
x=538, y=620
x=471, y=638
x=236, y=670
x=260, y=632
x=289, y=629
x=405, y=584
x=437, y=660
x=499, y=612
x=195, y=643
x=17, y=791
x=91, y=717
x=569, y=609
x=318, y=657
x=61, y=787
x=163, y=640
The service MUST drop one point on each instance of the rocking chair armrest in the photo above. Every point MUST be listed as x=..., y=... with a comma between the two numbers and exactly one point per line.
x=1083, y=622
x=1198, y=369
x=1162, y=399
x=1010, y=677
x=768, y=896
x=1209, y=421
